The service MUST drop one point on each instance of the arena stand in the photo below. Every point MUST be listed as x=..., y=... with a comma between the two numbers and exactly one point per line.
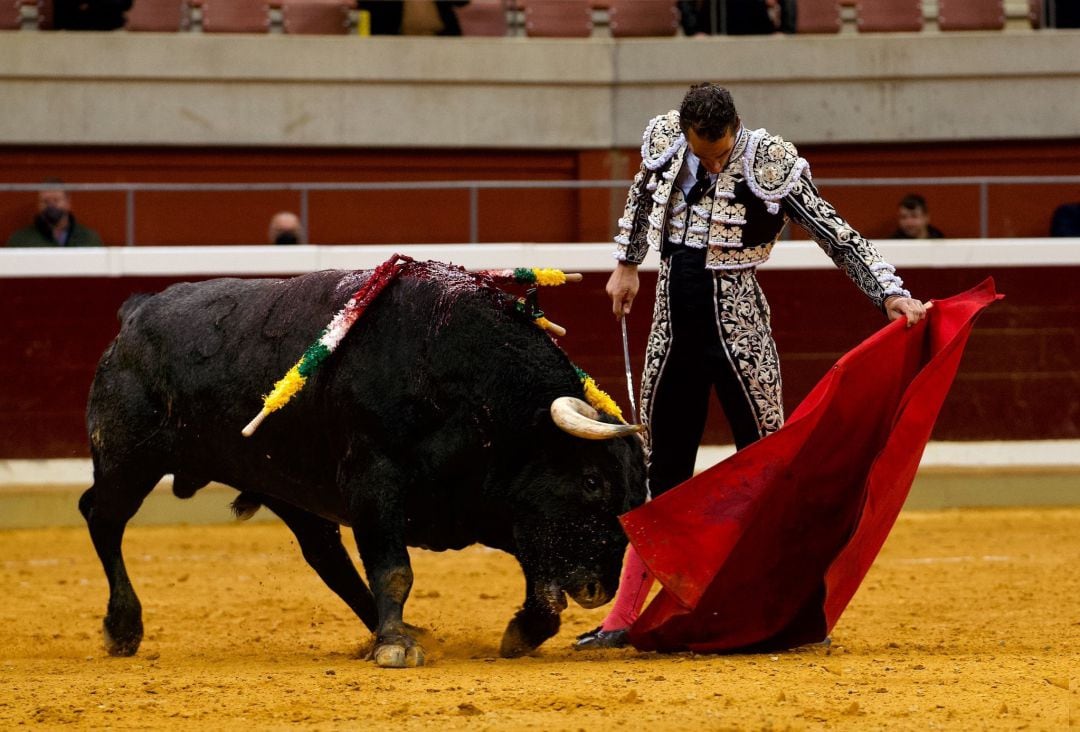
x=175, y=108
x=549, y=18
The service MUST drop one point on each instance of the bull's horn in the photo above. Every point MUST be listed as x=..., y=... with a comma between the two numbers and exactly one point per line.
x=577, y=418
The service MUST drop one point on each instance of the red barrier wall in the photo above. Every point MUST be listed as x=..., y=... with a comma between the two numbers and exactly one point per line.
x=1020, y=378
x=1015, y=210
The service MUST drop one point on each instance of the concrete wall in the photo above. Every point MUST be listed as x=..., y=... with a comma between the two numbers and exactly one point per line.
x=194, y=89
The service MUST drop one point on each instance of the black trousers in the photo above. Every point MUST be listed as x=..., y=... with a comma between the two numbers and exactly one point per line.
x=710, y=334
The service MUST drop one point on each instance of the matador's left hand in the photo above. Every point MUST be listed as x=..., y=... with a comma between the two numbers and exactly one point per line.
x=905, y=307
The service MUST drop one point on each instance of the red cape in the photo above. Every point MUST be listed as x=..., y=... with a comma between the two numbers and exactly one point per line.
x=765, y=549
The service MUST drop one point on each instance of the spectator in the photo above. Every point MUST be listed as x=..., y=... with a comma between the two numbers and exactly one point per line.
x=1066, y=13
x=737, y=17
x=1066, y=220
x=285, y=229
x=54, y=225
x=92, y=15
x=413, y=17
x=913, y=220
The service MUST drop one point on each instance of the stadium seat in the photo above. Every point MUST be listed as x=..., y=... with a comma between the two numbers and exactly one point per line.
x=315, y=17
x=818, y=16
x=483, y=18
x=956, y=15
x=234, y=16
x=888, y=16
x=558, y=18
x=157, y=15
x=11, y=14
x=642, y=18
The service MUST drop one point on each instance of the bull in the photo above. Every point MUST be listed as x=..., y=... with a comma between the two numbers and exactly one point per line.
x=446, y=418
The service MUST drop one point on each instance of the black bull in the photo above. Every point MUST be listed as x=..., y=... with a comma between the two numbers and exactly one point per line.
x=429, y=426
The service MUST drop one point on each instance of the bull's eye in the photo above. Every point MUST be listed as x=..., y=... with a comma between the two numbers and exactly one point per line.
x=592, y=485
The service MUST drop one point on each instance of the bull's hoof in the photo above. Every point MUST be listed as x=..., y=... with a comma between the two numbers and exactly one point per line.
x=399, y=656
x=526, y=632
x=120, y=640
x=514, y=644
x=414, y=657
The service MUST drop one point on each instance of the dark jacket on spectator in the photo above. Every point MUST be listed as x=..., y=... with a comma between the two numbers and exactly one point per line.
x=931, y=233
x=1066, y=220
x=92, y=15
x=386, y=16
x=40, y=235
x=736, y=17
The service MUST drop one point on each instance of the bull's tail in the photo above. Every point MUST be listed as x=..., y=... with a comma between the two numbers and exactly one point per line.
x=245, y=506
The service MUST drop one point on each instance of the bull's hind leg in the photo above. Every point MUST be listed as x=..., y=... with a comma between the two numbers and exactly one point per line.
x=107, y=506
x=130, y=446
x=320, y=543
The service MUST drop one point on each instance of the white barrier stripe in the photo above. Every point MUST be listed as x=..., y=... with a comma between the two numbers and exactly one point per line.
x=578, y=257
x=989, y=455
x=993, y=455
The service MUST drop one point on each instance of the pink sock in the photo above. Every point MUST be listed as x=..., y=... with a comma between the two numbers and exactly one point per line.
x=634, y=586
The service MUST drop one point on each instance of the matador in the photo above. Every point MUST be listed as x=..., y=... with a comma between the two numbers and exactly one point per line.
x=713, y=198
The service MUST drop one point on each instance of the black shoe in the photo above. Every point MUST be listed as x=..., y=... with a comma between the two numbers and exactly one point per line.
x=600, y=638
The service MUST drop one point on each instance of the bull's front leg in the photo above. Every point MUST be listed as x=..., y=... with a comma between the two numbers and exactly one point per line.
x=379, y=526
x=536, y=621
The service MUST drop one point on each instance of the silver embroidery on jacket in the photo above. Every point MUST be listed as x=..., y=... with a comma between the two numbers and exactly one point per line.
x=776, y=174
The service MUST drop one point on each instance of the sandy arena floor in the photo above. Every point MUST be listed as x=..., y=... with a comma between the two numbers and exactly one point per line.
x=969, y=620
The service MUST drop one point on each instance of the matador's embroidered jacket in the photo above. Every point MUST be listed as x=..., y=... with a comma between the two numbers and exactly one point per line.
x=764, y=185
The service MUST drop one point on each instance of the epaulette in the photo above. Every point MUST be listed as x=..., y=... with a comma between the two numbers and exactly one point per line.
x=772, y=166
x=661, y=140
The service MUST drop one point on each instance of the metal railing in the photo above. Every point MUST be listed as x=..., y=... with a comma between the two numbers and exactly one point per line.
x=473, y=187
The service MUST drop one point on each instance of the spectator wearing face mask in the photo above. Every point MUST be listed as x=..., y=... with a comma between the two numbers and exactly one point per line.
x=285, y=229
x=54, y=225
x=913, y=219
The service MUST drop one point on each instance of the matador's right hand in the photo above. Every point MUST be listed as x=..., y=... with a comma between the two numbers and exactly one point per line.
x=622, y=288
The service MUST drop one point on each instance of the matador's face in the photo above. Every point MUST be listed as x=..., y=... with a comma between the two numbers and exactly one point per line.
x=713, y=154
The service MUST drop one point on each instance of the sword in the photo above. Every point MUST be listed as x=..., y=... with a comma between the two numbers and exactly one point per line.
x=629, y=378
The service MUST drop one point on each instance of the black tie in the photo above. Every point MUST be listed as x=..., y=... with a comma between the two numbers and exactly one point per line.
x=701, y=185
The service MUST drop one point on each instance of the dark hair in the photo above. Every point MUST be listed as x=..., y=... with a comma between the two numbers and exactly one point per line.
x=914, y=202
x=708, y=110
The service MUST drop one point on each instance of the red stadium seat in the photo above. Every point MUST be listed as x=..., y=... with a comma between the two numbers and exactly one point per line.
x=558, y=18
x=971, y=15
x=11, y=14
x=818, y=16
x=888, y=16
x=642, y=18
x=483, y=18
x=315, y=17
x=157, y=15
x=234, y=16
